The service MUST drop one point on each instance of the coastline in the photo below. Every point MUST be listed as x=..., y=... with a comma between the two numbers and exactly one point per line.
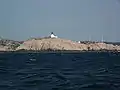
x=52, y=45
x=62, y=51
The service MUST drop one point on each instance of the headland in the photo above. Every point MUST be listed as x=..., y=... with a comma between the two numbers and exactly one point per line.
x=48, y=44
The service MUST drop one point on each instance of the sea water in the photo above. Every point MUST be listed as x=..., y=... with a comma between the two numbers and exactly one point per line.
x=60, y=71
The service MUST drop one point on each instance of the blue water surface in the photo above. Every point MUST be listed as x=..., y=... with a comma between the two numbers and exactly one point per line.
x=60, y=71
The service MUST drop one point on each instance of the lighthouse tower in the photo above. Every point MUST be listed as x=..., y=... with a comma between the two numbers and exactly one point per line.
x=53, y=36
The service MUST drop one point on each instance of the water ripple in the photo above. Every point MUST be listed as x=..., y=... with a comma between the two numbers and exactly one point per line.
x=83, y=71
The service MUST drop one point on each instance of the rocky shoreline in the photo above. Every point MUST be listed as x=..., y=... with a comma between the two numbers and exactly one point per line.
x=48, y=44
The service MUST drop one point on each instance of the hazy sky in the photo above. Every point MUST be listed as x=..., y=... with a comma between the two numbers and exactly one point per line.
x=70, y=19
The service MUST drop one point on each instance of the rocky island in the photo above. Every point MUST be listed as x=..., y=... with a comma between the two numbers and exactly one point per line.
x=9, y=45
x=54, y=44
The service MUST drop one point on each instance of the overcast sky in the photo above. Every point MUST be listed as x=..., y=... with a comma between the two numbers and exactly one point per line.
x=70, y=19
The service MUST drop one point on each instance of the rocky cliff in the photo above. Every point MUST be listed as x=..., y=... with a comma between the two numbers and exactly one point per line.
x=54, y=44
x=51, y=44
x=63, y=44
x=9, y=45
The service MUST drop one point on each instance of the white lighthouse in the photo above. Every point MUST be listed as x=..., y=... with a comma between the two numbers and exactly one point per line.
x=53, y=36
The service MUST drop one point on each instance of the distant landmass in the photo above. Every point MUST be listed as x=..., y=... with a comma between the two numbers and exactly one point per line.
x=54, y=44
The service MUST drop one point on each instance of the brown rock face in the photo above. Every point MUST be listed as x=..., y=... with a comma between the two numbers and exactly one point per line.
x=63, y=44
x=3, y=48
x=51, y=43
x=48, y=43
x=8, y=45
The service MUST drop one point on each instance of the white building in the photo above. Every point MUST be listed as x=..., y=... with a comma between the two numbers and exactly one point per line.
x=53, y=36
x=79, y=42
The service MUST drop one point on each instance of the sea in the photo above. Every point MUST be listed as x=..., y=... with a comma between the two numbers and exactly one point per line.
x=60, y=71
